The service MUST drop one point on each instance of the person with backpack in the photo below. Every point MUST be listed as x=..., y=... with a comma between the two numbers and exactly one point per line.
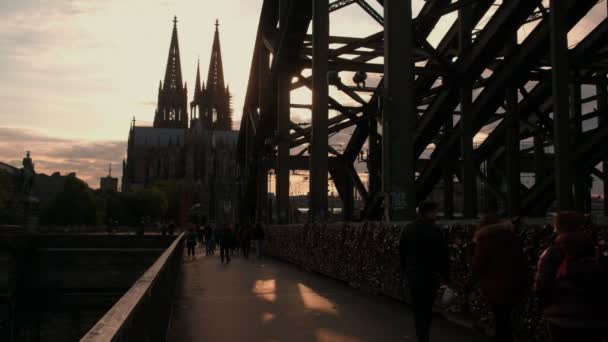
x=499, y=266
x=572, y=284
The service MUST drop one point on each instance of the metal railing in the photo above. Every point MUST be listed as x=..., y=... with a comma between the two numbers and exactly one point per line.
x=143, y=313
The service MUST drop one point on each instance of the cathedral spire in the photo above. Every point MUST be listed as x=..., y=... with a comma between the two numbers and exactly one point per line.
x=215, y=78
x=173, y=74
x=197, y=84
x=172, y=110
x=213, y=102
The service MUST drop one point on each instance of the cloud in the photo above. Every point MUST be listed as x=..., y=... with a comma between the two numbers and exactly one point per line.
x=89, y=159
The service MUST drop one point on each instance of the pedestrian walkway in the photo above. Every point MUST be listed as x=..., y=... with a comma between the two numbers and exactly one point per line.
x=272, y=301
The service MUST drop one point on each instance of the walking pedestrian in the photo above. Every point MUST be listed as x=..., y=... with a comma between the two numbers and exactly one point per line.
x=225, y=240
x=258, y=237
x=171, y=228
x=191, y=242
x=425, y=264
x=208, y=236
x=571, y=284
x=246, y=240
x=499, y=265
x=200, y=236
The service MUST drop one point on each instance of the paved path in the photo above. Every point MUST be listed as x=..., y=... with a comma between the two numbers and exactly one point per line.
x=273, y=301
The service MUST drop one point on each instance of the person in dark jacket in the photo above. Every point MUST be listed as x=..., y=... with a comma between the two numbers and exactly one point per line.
x=246, y=240
x=258, y=237
x=191, y=242
x=208, y=235
x=225, y=238
x=499, y=265
x=425, y=264
x=571, y=284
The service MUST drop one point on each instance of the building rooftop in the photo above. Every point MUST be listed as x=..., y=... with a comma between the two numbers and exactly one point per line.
x=8, y=168
x=150, y=136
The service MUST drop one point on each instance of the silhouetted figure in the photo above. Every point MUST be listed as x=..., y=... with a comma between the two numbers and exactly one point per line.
x=235, y=244
x=191, y=242
x=171, y=229
x=208, y=234
x=572, y=285
x=246, y=240
x=258, y=236
x=225, y=239
x=199, y=234
x=424, y=263
x=499, y=265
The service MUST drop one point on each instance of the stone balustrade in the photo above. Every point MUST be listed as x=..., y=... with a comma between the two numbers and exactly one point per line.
x=142, y=314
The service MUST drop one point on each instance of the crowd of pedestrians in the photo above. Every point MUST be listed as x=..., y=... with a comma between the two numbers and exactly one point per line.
x=570, y=280
x=231, y=239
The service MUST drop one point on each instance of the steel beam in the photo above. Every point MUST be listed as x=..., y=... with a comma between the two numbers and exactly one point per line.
x=320, y=99
x=374, y=158
x=561, y=115
x=512, y=144
x=494, y=195
x=399, y=115
x=580, y=183
x=345, y=186
x=468, y=178
x=267, y=103
x=282, y=171
x=539, y=166
x=602, y=105
x=448, y=179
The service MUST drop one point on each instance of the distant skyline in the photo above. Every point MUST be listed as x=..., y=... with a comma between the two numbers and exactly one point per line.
x=75, y=72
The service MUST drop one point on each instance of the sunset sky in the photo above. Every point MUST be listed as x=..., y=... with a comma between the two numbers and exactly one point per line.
x=75, y=72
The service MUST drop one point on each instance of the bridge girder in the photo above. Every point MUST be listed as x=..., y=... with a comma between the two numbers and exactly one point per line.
x=489, y=58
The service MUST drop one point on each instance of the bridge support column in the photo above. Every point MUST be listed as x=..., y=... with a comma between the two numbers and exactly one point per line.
x=513, y=149
x=268, y=104
x=580, y=176
x=320, y=97
x=539, y=168
x=374, y=160
x=448, y=178
x=492, y=184
x=282, y=168
x=398, y=117
x=262, y=194
x=561, y=114
x=602, y=106
x=469, y=179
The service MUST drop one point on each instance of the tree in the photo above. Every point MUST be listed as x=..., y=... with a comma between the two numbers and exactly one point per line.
x=148, y=202
x=171, y=190
x=74, y=205
x=5, y=197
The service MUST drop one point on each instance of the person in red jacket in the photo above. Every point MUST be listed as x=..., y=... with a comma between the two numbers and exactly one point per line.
x=572, y=284
x=499, y=266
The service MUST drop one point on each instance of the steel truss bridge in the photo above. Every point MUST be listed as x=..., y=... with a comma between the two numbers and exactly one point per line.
x=502, y=68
